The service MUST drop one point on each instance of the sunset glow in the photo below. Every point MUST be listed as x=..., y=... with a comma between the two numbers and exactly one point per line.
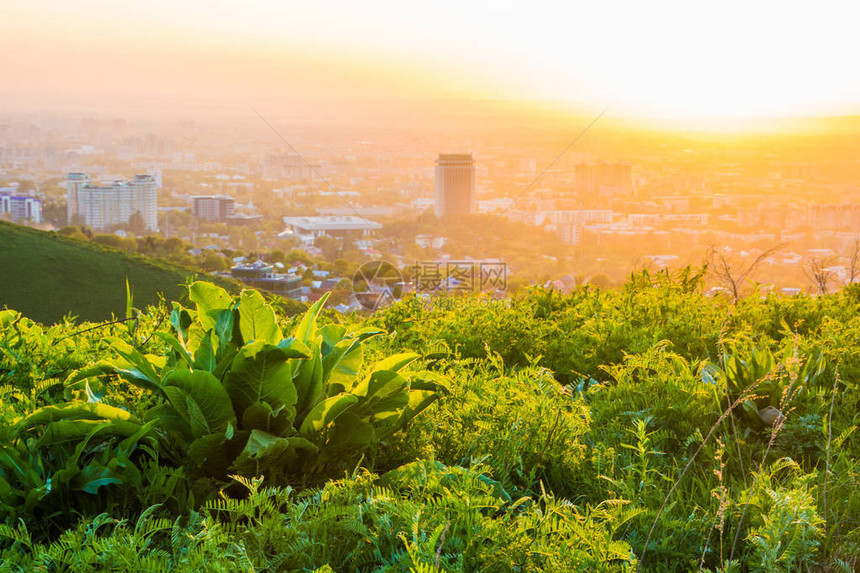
x=666, y=60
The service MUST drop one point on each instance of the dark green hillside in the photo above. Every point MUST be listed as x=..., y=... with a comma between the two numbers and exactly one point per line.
x=46, y=276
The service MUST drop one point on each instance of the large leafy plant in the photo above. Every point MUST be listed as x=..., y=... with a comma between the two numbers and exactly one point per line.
x=761, y=379
x=234, y=395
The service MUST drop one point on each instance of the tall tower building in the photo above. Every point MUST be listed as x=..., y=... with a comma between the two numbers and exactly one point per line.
x=455, y=185
x=74, y=182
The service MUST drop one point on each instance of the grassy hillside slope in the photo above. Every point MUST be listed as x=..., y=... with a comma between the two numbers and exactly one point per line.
x=46, y=276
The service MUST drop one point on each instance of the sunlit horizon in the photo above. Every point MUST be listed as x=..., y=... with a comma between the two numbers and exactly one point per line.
x=684, y=65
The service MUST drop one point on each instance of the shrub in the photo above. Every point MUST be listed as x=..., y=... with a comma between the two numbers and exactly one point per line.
x=231, y=395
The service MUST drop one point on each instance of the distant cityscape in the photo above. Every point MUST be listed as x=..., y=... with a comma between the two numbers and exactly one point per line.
x=604, y=210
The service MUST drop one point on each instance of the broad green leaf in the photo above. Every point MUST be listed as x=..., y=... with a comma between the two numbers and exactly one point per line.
x=414, y=474
x=167, y=418
x=308, y=382
x=294, y=348
x=77, y=411
x=73, y=426
x=259, y=442
x=209, y=449
x=91, y=396
x=343, y=360
x=341, y=369
x=8, y=318
x=261, y=416
x=175, y=344
x=307, y=329
x=137, y=378
x=751, y=410
x=199, y=424
x=265, y=451
x=141, y=367
x=5, y=488
x=326, y=412
x=100, y=368
x=176, y=398
x=71, y=430
x=203, y=401
x=93, y=477
x=225, y=329
x=10, y=459
x=363, y=334
x=216, y=452
x=208, y=298
x=419, y=400
x=384, y=390
x=261, y=373
x=224, y=362
x=257, y=320
x=204, y=357
x=348, y=432
x=331, y=335
x=425, y=380
x=435, y=476
x=129, y=444
x=396, y=362
x=180, y=319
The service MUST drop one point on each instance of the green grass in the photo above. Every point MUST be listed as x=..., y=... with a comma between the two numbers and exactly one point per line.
x=46, y=276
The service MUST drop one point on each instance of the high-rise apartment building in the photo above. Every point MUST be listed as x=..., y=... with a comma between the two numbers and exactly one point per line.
x=74, y=181
x=213, y=207
x=604, y=179
x=104, y=206
x=289, y=167
x=455, y=185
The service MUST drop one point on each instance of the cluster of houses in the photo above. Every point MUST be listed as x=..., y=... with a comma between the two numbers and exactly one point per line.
x=287, y=281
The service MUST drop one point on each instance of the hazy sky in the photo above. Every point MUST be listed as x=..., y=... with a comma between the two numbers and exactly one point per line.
x=645, y=58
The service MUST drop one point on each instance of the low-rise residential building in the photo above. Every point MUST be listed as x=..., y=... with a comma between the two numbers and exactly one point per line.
x=262, y=275
x=430, y=241
x=20, y=207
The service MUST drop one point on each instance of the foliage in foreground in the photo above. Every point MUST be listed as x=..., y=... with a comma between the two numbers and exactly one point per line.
x=597, y=431
x=231, y=395
x=423, y=518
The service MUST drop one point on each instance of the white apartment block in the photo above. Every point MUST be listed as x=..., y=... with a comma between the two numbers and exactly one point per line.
x=569, y=224
x=104, y=206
